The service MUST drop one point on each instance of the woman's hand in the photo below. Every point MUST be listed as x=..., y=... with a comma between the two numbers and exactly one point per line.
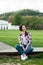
x=24, y=48
x=27, y=46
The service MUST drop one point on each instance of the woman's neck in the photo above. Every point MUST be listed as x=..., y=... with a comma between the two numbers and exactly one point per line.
x=23, y=32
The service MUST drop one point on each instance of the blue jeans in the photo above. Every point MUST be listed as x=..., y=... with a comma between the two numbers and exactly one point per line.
x=21, y=51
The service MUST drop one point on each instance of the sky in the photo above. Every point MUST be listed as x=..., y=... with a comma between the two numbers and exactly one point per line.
x=15, y=5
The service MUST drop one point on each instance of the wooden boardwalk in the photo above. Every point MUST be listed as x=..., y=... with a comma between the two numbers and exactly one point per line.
x=4, y=48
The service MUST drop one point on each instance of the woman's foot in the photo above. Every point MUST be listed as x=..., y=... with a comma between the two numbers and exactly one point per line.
x=24, y=57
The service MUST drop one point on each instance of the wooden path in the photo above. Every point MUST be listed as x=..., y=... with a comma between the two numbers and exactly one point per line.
x=6, y=49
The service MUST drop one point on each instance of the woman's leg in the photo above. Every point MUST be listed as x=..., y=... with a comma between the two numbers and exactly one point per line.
x=28, y=50
x=20, y=49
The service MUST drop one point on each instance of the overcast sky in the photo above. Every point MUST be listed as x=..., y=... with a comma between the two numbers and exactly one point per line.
x=13, y=5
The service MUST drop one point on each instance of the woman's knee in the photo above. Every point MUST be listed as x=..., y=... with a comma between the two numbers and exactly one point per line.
x=30, y=47
x=16, y=46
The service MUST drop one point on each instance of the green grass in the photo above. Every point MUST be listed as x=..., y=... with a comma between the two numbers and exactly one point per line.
x=11, y=37
x=33, y=60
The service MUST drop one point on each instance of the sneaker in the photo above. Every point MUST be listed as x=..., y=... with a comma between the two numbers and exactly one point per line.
x=22, y=57
x=25, y=56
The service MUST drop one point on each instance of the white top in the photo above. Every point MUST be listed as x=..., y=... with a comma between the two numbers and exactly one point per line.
x=24, y=40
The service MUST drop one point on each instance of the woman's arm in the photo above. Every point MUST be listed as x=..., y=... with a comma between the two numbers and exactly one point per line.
x=29, y=40
x=19, y=39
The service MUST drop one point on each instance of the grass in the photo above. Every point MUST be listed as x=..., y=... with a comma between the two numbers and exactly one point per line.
x=33, y=60
x=11, y=37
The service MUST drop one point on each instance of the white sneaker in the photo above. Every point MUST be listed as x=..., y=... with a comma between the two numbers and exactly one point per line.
x=24, y=57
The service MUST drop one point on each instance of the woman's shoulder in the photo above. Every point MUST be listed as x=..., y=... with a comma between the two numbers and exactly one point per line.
x=19, y=34
x=29, y=33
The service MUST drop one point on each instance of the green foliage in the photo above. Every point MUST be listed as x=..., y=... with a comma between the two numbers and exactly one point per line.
x=17, y=19
x=25, y=12
x=31, y=18
x=30, y=12
x=33, y=22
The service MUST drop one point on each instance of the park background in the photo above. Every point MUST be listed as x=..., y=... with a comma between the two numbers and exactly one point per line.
x=33, y=20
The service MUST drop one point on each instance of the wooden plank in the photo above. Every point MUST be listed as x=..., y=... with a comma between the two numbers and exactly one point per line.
x=4, y=48
x=38, y=49
x=13, y=50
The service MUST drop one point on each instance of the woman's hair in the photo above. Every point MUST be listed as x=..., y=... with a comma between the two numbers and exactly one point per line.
x=20, y=28
x=26, y=33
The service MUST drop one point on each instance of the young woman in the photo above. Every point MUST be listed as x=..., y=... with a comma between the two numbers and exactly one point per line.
x=25, y=40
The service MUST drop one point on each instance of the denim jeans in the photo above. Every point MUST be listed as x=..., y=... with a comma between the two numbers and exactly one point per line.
x=21, y=51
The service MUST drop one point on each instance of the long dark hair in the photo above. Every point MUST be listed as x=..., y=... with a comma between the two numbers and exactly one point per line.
x=20, y=27
x=26, y=33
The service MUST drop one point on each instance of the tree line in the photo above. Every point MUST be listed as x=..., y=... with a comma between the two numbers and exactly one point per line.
x=31, y=18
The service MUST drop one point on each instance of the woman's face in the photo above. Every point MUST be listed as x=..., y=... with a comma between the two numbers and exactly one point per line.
x=23, y=28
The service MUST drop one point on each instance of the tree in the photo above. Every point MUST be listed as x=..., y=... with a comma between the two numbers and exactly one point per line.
x=17, y=19
x=10, y=19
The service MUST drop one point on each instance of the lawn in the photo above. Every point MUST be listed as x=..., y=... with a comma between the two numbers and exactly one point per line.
x=11, y=37
x=15, y=60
